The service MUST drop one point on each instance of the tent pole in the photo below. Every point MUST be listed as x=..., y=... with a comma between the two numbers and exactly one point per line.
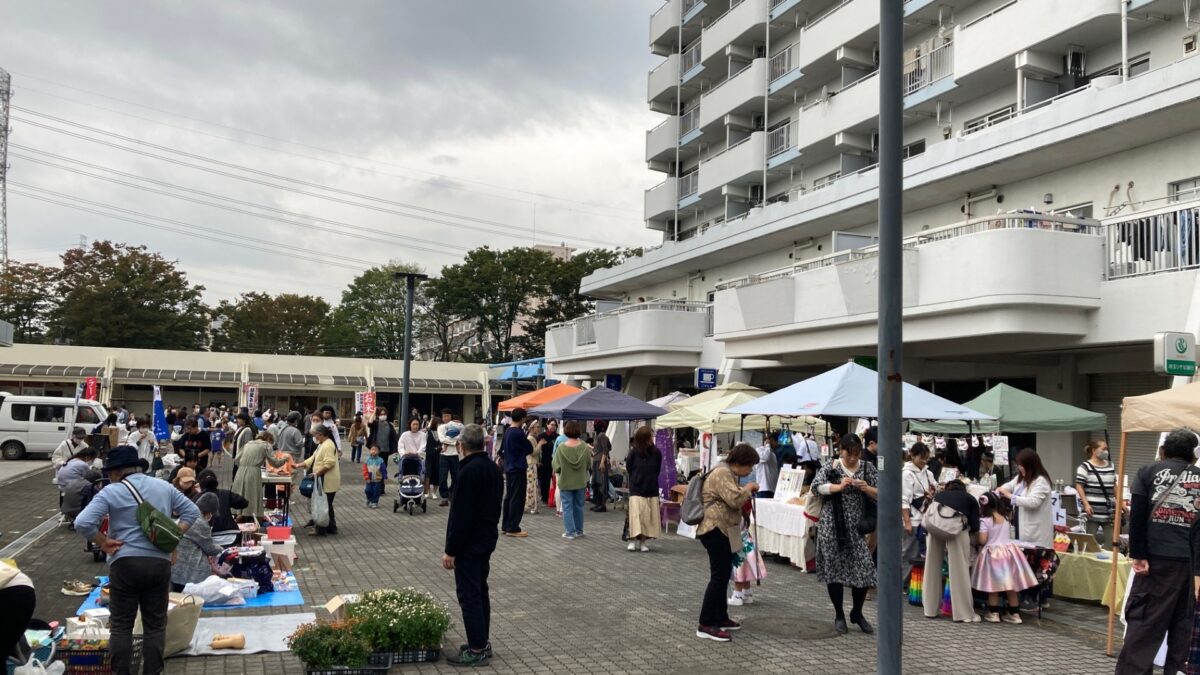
x=1116, y=539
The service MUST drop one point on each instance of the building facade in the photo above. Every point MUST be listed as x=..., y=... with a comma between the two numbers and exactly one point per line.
x=1051, y=194
x=214, y=378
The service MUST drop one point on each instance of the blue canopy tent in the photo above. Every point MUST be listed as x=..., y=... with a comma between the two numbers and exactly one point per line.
x=600, y=403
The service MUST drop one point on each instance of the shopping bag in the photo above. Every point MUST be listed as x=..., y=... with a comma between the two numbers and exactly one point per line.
x=320, y=507
x=36, y=667
x=553, y=485
x=181, y=622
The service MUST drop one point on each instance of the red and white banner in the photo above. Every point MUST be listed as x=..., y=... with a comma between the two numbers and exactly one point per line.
x=91, y=388
x=368, y=404
x=252, y=397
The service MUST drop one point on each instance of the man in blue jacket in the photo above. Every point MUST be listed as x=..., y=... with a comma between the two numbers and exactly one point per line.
x=139, y=572
x=515, y=450
x=470, y=540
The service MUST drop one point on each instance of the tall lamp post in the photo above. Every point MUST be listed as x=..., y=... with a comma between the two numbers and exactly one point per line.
x=410, y=288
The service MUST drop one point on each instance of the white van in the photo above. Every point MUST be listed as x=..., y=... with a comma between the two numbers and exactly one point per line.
x=37, y=424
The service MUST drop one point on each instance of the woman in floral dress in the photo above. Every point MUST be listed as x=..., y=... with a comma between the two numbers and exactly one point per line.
x=843, y=558
x=531, y=473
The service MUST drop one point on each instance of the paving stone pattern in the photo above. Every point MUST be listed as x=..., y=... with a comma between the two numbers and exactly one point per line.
x=585, y=606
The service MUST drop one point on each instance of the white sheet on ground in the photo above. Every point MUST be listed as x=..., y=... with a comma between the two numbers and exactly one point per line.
x=263, y=633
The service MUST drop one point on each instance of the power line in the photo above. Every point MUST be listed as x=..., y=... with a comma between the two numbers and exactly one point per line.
x=298, y=144
x=507, y=231
x=274, y=248
x=390, y=237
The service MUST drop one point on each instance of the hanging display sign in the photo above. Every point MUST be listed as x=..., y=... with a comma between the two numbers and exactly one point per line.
x=1175, y=354
x=1000, y=450
x=91, y=388
x=252, y=397
x=705, y=378
x=368, y=404
x=358, y=401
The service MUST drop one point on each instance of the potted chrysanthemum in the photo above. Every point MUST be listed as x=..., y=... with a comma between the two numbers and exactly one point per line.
x=406, y=623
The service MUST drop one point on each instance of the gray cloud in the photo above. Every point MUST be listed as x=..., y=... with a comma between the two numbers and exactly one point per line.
x=453, y=100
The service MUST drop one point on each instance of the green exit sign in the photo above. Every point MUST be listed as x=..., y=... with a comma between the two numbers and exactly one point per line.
x=1175, y=354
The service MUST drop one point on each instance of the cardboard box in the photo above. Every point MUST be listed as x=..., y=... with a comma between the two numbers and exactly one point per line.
x=337, y=605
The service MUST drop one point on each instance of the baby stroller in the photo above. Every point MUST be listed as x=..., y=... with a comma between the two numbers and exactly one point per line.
x=412, y=486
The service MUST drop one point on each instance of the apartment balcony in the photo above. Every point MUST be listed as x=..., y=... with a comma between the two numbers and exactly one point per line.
x=662, y=139
x=739, y=164
x=660, y=202
x=689, y=188
x=784, y=69
x=743, y=21
x=1020, y=25
x=663, y=82
x=689, y=126
x=843, y=23
x=853, y=106
x=929, y=75
x=739, y=95
x=664, y=28
x=661, y=336
x=1049, y=283
x=690, y=65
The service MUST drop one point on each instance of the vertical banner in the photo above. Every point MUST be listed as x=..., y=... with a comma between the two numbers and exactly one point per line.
x=161, y=432
x=91, y=389
x=358, y=401
x=368, y=404
x=252, y=397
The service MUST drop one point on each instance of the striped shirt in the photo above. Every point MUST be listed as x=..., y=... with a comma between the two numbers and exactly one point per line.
x=1099, y=487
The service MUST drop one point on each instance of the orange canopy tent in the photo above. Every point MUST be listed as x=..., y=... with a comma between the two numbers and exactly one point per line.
x=539, y=397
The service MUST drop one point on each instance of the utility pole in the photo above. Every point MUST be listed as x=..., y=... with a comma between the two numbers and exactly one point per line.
x=410, y=289
x=5, y=97
x=891, y=335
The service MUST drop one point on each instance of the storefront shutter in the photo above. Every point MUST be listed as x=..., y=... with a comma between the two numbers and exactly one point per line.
x=1107, y=390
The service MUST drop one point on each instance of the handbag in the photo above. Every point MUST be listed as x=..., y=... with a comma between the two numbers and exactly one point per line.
x=870, y=518
x=941, y=525
x=182, y=619
x=320, y=506
x=158, y=527
x=306, y=486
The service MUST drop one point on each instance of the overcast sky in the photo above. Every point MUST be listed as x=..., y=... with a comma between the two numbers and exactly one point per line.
x=527, y=114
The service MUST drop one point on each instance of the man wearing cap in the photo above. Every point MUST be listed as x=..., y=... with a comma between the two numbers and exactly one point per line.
x=139, y=572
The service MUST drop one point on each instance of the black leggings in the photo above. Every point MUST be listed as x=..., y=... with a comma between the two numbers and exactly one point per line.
x=859, y=595
x=18, y=603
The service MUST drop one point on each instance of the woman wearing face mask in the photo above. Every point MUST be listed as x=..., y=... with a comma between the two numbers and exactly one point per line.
x=1096, y=483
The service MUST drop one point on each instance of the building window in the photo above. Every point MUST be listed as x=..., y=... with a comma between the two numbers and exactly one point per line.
x=20, y=412
x=985, y=121
x=1077, y=211
x=1138, y=65
x=913, y=149
x=1184, y=190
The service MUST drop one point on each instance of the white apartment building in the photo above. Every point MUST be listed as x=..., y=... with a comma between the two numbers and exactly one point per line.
x=1050, y=202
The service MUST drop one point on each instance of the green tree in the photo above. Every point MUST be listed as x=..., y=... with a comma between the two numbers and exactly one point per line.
x=259, y=323
x=118, y=295
x=27, y=296
x=563, y=301
x=369, y=321
x=436, y=324
x=496, y=289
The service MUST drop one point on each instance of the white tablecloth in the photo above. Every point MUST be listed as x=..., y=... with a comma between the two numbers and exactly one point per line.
x=783, y=530
x=687, y=462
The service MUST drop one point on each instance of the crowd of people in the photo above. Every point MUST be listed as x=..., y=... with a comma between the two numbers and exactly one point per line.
x=489, y=483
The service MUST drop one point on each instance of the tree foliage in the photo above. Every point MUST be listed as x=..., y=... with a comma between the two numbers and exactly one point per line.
x=435, y=324
x=369, y=320
x=282, y=324
x=118, y=295
x=27, y=298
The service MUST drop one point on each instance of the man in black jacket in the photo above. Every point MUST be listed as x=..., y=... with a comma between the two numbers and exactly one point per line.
x=471, y=534
x=515, y=450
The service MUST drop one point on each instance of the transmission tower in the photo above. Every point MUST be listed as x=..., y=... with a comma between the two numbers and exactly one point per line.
x=5, y=95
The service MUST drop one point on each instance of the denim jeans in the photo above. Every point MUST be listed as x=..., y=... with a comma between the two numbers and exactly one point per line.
x=573, y=510
x=373, y=490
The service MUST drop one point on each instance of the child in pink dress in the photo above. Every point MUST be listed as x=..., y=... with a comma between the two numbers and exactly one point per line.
x=748, y=565
x=1001, y=567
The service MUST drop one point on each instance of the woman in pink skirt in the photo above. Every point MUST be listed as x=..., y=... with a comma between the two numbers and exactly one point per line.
x=1001, y=567
x=748, y=564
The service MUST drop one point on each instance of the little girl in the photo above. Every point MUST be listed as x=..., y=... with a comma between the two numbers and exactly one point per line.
x=748, y=565
x=1001, y=567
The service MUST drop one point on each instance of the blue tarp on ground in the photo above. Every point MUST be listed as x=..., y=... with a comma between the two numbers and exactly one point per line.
x=275, y=599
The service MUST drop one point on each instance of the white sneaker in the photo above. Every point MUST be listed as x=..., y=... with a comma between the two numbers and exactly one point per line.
x=633, y=546
x=747, y=598
x=645, y=548
x=736, y=600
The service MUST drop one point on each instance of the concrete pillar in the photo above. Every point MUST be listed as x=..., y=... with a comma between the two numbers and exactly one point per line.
x=1061, y=452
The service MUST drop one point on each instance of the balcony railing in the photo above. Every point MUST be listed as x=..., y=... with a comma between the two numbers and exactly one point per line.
x=826, y=14
x=776, y=3
x=720, y=152
x=926, y=69
x=585, y=331
x=689, y=121
x=741, y=69
x=688, y=5
x=1165, y=239
x=779, y=140
x=1017, y=220
x=785, y=61
x=732, y=5
x=1013, y=112
x=690, y=58
x=689, y=184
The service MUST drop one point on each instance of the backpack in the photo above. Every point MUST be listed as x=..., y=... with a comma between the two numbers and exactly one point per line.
x=156, y=525
x=691, y=511
x=941, y=526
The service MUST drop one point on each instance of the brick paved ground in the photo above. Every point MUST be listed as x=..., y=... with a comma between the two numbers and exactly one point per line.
x=589, y=606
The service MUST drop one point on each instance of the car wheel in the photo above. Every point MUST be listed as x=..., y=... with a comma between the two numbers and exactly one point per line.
x=13, y=450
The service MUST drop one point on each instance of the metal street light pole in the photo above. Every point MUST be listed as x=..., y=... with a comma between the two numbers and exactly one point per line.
x=891, y=337
x=410, y=288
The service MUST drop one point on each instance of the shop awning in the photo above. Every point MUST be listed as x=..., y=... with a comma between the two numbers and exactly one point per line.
x=50, y=371
x=536, y=398
x=165, y=376
x=426, y=383
x=852, y=391
x=1019, y=412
